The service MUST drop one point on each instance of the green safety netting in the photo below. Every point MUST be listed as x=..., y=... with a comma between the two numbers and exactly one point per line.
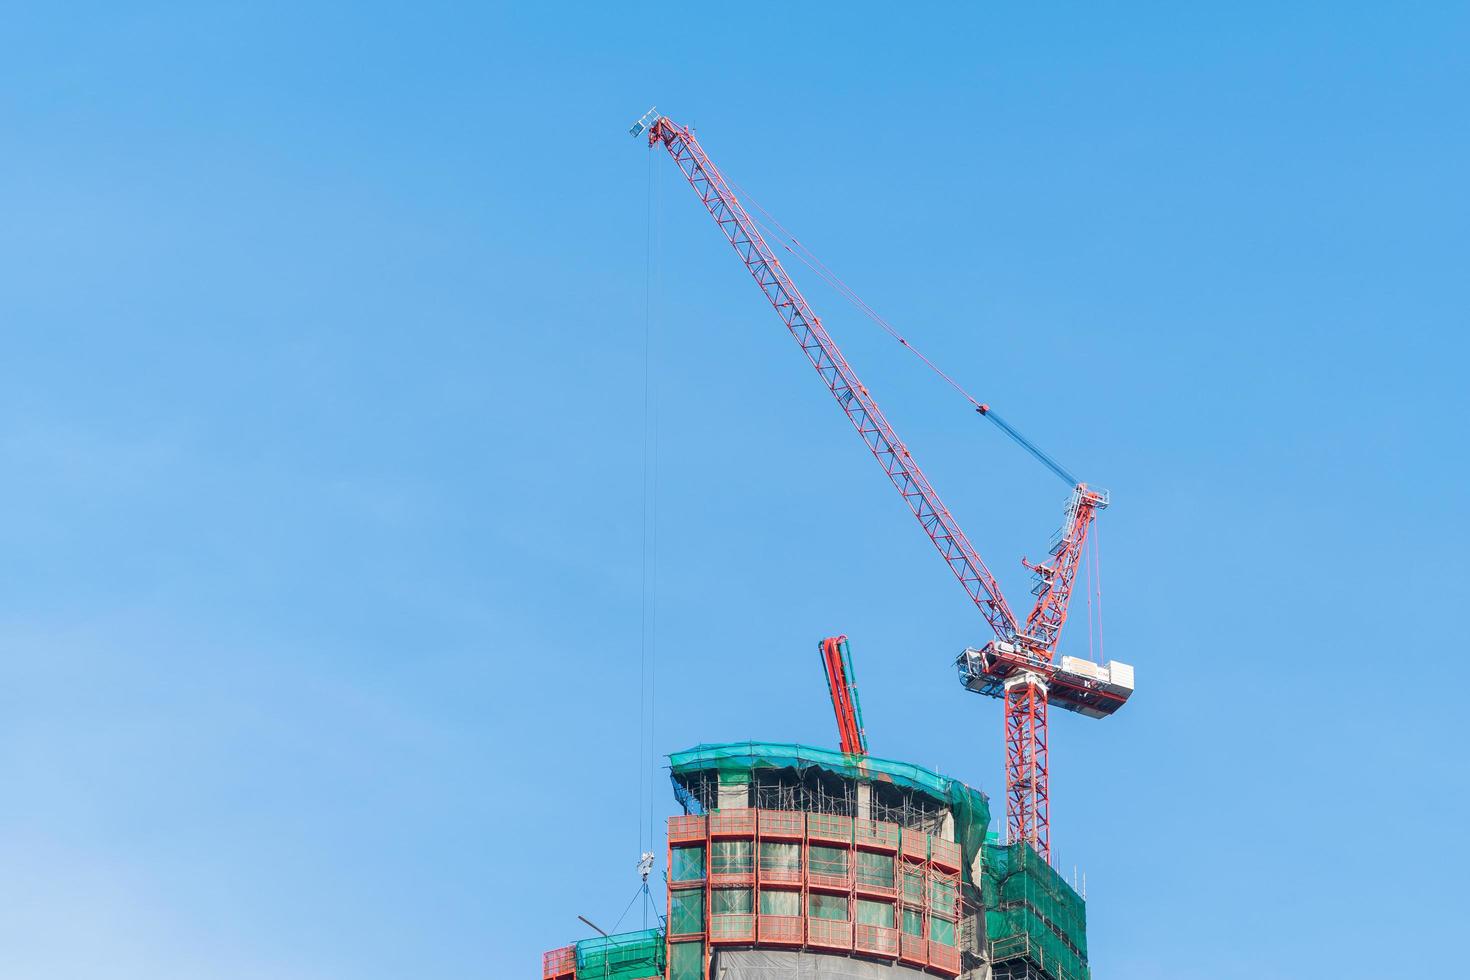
x=970, y=807
x=686, y=911
x=1031, y=912
x=686, y=960
x=625, y=956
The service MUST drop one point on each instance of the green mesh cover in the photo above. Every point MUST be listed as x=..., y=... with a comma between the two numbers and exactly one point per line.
x=687, y=863
x=686, y=911
x=1032, y=913
x=625, y=956
x=686, y=961
x=970, y=807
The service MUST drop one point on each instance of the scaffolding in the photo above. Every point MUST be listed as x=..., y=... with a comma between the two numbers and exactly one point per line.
x=812, y=791
x=1035, y=921
x=908, y=808
x=625, y=956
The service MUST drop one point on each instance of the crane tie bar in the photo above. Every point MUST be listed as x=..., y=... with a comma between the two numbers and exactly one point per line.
x=811, y=261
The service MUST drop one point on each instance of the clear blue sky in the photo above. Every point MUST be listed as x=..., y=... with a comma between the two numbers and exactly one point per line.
x=321, y=419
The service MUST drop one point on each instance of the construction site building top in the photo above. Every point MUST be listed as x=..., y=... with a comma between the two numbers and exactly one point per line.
x=737, y=761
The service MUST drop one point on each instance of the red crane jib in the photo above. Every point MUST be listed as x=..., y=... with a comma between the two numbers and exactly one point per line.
x=836, y=373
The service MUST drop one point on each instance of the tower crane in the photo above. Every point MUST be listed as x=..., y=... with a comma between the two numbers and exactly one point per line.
x=1020, y=665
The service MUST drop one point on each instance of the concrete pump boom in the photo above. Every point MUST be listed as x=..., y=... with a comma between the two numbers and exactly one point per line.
x=842, y=685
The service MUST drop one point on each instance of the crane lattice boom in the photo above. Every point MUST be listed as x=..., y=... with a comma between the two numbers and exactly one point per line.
x=1054, y=578
x=836, y=373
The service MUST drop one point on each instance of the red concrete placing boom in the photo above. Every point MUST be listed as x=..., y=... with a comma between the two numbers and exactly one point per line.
x=1019, y=666
x=842, y=685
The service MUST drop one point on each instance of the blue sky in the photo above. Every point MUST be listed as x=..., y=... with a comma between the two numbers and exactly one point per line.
x=321, y=410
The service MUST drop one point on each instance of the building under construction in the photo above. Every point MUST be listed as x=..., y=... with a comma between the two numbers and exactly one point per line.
x=797, y=862
x=791, y=861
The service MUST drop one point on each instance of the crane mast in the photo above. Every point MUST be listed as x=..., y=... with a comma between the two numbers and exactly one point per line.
x=1017, y=666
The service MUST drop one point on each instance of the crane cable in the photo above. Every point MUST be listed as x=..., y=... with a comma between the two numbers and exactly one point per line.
x=648, y=539
x=809, y=258
x=1087, y=572
x=1097, y=570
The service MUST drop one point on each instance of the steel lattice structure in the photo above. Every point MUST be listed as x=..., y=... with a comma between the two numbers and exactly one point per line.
x=1028, y=800
x=1054, y=579
x=1018, y=666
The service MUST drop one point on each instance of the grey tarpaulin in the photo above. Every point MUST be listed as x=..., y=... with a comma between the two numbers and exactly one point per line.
x=775, y=964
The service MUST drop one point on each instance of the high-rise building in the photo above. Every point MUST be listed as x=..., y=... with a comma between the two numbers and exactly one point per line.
x=796, y=862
